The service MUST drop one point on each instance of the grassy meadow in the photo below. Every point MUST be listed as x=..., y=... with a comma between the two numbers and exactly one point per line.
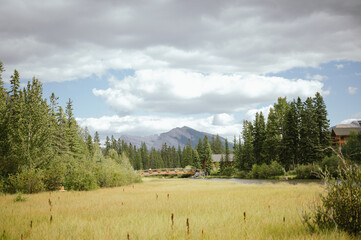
x=215, y=210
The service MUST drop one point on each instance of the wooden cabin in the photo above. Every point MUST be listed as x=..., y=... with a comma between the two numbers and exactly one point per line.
x=216, y=159
x=341, y=132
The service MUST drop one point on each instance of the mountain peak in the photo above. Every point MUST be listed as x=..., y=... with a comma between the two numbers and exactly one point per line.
x=175, y=137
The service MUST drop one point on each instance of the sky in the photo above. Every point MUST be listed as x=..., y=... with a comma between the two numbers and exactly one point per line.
x=145, y=67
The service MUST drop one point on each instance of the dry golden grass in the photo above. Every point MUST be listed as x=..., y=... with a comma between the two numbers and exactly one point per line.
x=215, y=210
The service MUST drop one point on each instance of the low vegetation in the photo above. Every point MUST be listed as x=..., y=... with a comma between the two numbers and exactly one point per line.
x=161, y=208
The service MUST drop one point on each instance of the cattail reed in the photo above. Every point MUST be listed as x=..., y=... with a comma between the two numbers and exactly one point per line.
x=51, y=219
x=22, y=237
x=172, y=218
x=244, y=217
x=156, y=196
x=168, y=196
x=122, y=203
x=31, y=224
x=187, y=226
x=49, y=201
x=202, y=233
x=123, y=189
x=128, y=236
x=284, y=219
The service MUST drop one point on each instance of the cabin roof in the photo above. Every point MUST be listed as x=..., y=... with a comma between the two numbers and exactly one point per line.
x=217, y=157
x=345, y=131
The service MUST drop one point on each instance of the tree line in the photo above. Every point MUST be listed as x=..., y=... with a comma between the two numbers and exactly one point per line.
x=168, y=156
x=42, y=147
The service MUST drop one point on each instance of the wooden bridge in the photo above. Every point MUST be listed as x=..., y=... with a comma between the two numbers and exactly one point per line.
x=170, y=171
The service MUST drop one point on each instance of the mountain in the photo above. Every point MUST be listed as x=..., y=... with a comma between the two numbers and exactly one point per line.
x=175, y=137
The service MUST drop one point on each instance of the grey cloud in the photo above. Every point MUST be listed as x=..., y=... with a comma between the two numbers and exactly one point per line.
x=225, y=36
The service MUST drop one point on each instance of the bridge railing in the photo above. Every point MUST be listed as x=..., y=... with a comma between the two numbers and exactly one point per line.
x=170, y=171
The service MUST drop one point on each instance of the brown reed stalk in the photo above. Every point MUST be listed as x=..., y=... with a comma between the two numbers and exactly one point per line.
x=202, y=234
x=31, y=224
x=156, y=196
x=168, y=196
x=122, y=203
x=172, y=218
x=49, y=201
x=128, y=236
x=22, y=237
x=123, y=189
x=244, y=217
x=188, y=226
x=51, y=219
x=284, y=219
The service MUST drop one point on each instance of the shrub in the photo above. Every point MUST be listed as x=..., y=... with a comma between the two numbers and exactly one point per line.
x=19, y=198
x=228, y=171
x=341, y=206
x=79, y=176
x=331, y=164
x=29, y=180
x=54, y=175
x=310, y=171
x=265, y=171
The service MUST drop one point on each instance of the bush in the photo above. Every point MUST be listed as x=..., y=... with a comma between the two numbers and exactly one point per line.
x=29, y=180
x=310, y=171
x=341, y=206
x=19, y=198
x=266, y=171
x=331, y=165
x=228, y=171
x=54, y=175
x=80, y=176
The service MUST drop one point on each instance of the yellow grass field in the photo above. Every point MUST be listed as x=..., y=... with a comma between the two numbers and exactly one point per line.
x=215, y=210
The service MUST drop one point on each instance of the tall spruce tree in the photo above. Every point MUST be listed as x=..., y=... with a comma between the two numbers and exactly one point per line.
x=272, y=140
x=291, y=137
x=247, y=155
x=323, y=124
x=259, y=137
x=309, y=138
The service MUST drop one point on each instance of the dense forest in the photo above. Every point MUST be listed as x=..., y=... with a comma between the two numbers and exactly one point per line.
x=42, y=147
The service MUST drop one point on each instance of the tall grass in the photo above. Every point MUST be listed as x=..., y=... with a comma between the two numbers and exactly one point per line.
x=196, y=210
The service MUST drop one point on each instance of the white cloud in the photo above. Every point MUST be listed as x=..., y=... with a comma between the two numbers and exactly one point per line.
x=223, y=119
x=176, y=91
x=352, y=90
x=316, y=77
x=339, y=66
x=251, y=114
x=149, y=125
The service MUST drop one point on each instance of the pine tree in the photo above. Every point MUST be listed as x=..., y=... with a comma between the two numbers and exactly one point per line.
x=291, y=137
x=196, y=159
x=309, y=138
x=188, y=155
x=259, y=137
x=96, y=138
x=207, y=160
x=323, y=125
x=272, y=140
x=247, y=156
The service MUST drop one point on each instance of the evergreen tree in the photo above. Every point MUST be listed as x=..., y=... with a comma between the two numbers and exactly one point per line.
x=259, y=137
x=188, y=155
x=323, y=125
x=291, y=137
x=247, y=156
x=207, y=160
x=144, y=153
x=196, y=159
x=218, y=147
x=96, y=138
x=309, y=138
x=272, y=140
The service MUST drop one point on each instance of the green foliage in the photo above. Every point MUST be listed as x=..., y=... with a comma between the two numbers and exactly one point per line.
x=265, y=171
x=340, y=207
x=309, y=171
x=28, y=180
x=20, y=198
x=43, y=148
x=352, y=148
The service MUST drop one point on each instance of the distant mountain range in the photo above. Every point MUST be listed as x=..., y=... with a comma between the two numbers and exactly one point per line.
x=175, y=137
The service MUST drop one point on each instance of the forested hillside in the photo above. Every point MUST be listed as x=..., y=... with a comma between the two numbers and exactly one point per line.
x=43, y=148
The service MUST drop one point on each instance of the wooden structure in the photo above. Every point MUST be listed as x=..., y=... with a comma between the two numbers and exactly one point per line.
x=341, y=132
x=216, y=158
x=170, y=171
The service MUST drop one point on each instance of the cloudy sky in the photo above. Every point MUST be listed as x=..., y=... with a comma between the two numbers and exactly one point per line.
x=145, y=67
